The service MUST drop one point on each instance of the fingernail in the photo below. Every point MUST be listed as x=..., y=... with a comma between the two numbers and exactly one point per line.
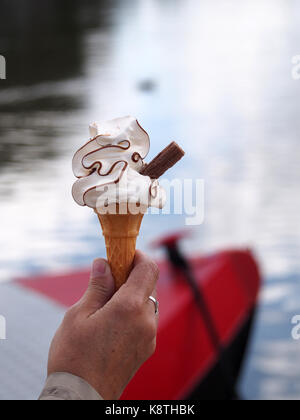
x=99, y=267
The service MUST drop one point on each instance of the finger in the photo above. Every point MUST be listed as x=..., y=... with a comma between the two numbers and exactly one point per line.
x=101, y=287
x=142, y=279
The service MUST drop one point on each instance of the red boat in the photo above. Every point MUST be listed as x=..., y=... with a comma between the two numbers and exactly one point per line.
x=207, y=306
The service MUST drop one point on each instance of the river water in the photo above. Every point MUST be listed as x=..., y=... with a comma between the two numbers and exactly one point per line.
x=214, y=75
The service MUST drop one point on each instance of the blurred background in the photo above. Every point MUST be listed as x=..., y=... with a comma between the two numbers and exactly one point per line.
x=214, y=75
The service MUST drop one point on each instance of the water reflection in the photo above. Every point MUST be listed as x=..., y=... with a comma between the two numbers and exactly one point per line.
x=42, y=41
x=43, y=45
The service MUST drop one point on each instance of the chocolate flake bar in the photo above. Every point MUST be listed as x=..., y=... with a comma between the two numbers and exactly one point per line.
x=163, y=161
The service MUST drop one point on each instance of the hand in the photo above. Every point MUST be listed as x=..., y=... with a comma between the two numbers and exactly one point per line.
x=107, y=336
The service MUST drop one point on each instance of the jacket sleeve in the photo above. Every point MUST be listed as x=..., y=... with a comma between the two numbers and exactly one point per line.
x=67, y=387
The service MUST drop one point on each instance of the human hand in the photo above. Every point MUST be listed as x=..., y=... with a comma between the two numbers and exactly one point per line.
x=107, y=336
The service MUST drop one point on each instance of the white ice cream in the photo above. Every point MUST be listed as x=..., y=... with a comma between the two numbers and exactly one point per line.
x=108, y=167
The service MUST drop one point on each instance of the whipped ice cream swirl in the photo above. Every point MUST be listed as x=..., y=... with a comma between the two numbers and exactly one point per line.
x=108, y=165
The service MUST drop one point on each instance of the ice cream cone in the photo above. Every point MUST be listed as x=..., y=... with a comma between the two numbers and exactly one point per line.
x=120, y=232
x=110, y=169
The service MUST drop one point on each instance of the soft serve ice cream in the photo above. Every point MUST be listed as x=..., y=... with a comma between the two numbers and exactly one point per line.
x=108, y=166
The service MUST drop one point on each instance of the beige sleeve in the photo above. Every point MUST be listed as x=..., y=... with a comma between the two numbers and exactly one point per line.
x=67, y=387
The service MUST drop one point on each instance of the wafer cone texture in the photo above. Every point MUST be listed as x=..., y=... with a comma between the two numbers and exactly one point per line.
x=120, y=232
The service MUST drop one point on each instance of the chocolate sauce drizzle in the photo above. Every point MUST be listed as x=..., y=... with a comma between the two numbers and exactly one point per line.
x=99, y=163
x=136, y=157
x=153, y=187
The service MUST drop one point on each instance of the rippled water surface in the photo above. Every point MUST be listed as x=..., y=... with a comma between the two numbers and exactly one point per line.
x=213, y=75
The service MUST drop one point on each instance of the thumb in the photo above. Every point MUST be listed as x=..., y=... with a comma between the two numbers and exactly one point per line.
x=101, y=287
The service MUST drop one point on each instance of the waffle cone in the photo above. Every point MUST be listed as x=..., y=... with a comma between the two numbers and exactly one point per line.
x=120, y=232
